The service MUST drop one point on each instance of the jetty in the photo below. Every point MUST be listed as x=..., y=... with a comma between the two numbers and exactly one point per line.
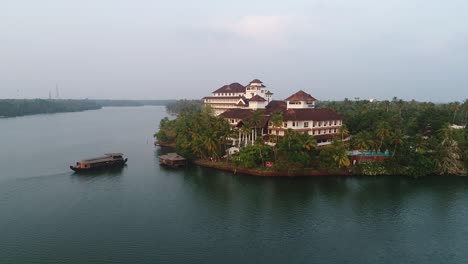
x=173, y=160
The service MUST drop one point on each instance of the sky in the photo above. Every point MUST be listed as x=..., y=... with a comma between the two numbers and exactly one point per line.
x=151, y=49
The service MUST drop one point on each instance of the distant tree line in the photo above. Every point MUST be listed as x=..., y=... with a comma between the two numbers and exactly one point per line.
x=21, y=107
x=13, y=107
x=179, y=106
x=120, y=103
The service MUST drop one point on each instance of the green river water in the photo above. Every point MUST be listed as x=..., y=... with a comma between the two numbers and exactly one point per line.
x=148, y=214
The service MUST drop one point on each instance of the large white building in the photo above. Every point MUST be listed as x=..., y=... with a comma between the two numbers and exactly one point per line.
x=236, y=96
x=236, y=104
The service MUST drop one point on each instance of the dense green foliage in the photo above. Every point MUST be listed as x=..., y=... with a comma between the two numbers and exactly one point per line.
x=179, y=106
x=196, y=134
x=253, y=156
x=12, y=107
x=417, y=135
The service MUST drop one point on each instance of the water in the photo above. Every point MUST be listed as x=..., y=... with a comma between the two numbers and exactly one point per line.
x=147, y=214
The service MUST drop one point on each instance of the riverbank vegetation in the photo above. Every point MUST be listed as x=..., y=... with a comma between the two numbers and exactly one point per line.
x=123, y=103
x=22, y=107
x=420, y=139
x=179, y=106
x=13, y=107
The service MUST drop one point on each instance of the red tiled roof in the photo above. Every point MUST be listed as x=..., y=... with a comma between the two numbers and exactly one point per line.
x=300, y=96
x=270, y=93
x=256, y=81
x=246, y=114
x=264, y=121
x=257, y=98
x=323, y=114
x=231, y=88
x=276, y=106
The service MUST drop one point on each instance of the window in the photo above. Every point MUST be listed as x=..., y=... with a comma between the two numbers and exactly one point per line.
x=285, y=124
x=334, y=122
x=306, y=124
x=293, y=124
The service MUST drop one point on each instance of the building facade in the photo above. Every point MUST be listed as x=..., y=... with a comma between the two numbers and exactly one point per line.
x=237, y=104
x=236, y=96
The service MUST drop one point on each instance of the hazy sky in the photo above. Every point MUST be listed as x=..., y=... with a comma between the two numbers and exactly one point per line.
x=149, y=49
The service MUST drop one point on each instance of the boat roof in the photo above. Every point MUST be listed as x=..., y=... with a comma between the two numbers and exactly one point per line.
x=172, y=156
x=106, y=157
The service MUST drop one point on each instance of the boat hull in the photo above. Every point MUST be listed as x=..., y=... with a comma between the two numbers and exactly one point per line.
x=111, y=165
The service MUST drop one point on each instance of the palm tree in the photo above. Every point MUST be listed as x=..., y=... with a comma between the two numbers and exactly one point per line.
x=360, y=141
x=256, y=119
x=387, y=105
x=196, y=145
x=382, y=133
x=448, y=161
x=246, y=130
x=340, y=154
x=277, y=121
x=400, y=103
x=397, y=138
x=211, y=147
x=310, y=143
x=455, y=107
x=465, y=109
x=343, y=130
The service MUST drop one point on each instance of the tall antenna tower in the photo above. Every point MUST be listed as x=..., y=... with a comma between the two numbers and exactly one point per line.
x=56, y=92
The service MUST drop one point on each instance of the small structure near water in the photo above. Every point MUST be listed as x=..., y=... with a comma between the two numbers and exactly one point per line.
x=358, y=157
x=172, y=160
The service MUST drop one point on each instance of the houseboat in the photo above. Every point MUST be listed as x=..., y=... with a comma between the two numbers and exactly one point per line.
x=172, y=160
x=109, y=160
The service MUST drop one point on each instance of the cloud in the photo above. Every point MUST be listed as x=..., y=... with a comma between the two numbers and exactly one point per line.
x=259, y=28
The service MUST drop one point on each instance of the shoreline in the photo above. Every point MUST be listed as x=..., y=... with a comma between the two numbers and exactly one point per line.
x=257, y=172
x=262, y=173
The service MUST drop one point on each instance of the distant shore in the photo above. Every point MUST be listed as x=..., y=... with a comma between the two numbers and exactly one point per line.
x=25, y=107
